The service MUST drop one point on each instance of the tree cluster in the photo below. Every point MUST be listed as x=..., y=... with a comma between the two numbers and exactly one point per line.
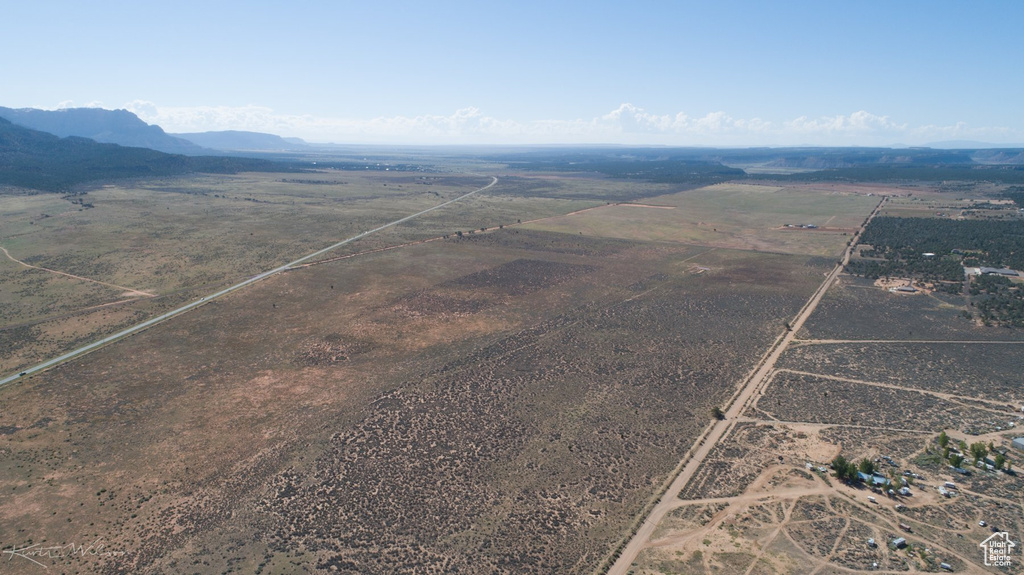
x=1015, y=193
x=900, y=245
x=846, y=470
x=998, y=300
x=978, y=451
x=996, y=243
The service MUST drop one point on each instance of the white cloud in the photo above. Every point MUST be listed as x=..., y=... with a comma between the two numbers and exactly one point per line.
x=630, y=119
x=856, y=123
x=72, y=104
x=626, y=124
x=962, y=131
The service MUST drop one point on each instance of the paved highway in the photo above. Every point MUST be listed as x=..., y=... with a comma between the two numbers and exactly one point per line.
x=223, y=292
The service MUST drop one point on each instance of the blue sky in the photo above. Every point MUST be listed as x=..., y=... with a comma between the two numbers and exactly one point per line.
x=677, y=73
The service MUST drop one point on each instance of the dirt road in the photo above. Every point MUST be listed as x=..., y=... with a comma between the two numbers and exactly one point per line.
x=998, y=407
x=744, y=396
x=206, y=299
x=126, y=289
x=802, y=342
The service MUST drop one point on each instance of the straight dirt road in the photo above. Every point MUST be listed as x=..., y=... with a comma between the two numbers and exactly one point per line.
x=203, y=300
x=741, y=400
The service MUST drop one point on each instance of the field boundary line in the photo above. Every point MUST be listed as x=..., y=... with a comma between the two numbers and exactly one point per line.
x=806, y=342
x=953, y=397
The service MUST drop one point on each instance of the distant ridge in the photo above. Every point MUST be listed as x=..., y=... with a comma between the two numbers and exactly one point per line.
x=235, y=140
x=999, y=156
x=37, y=160
x=970, y=145
x=106, y=126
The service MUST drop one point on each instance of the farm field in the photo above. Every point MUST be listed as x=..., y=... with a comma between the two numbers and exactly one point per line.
x=958, y=203
x=740, y=216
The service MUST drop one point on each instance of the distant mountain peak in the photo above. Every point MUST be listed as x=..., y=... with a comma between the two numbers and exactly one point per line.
x=106, y=126
x=34, y=159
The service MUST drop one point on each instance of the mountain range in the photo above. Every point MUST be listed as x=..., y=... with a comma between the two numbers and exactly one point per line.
x=105, y=126
x=126, y=129
x=57, y=149
x=38, y=160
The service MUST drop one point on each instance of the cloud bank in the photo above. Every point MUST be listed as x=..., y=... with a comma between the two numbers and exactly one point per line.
x=627, y=124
